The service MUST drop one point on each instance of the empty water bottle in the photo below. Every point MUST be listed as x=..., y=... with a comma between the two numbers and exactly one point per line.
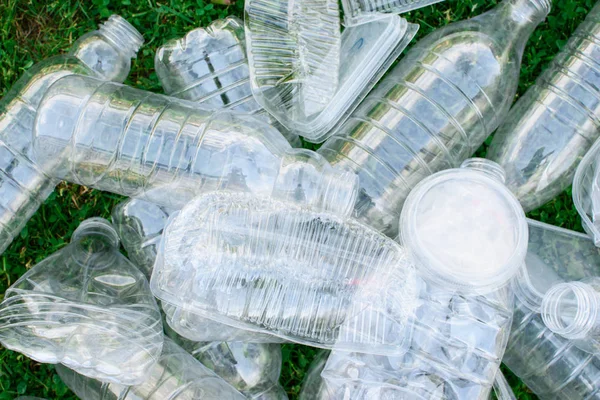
x=275, y=267
x=106, y=54
x=467, y=236
x=85, y=306
x=358, y=12
x=555, y=123
x=435, y=108
x=209, y=66
x=294, y=54
x=140, y=225
x=113, y=137
x=251, y=368
x=313, y=386
x=552, y=366
x=176, y=376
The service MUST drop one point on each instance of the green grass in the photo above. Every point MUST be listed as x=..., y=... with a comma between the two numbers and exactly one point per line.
x=31, y=30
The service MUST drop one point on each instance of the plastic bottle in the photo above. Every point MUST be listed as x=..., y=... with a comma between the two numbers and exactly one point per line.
x=251, y=368
x=209, y=66
x=552, y=366
x=271, y=266
x=555, y=123
x=176, y=376
x=113, y=137
x=85, y=306
x=435, y=108
x=467, y=236
x=105, y=54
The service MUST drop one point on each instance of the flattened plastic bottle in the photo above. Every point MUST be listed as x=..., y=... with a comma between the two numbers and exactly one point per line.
x=550, y=128
x=209, y=66
x=105, y=54
x=139, y=144
x=467, y=235
x=435, y=108
x=176, y=376
x=88, y=307
x=552, y=366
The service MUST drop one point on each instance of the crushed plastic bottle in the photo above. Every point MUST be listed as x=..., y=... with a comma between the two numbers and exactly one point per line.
x=176, y=376
x=105, y=54
x=551, y=127
x=586, y=192
x=270, y=266
x=367, y=52
x=251, y=368
x=435, y=108
x=131, y=142
x=293, y=52
x=357, y=12
x=209, y=66
x=467, y=235
x=85, y=306
x=140, y=225
x=552, y=366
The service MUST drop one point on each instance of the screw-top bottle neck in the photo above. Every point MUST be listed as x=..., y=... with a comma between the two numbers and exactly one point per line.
x=96, y=228
x=488, y=167
x=122, y=34
x=530, y=10
x=571, y=309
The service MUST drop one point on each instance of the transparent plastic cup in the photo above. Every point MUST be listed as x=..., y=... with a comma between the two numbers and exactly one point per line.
x=176, y=376
x=274, y=267
x=88, y=307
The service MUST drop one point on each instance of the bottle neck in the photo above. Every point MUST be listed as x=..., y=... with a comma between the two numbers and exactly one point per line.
x=122, y=35
x=571, y=309
x=94, y=236
x=513, y=21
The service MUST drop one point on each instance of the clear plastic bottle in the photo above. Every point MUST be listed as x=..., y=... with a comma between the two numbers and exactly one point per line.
x=85, y=306
x=209, y=66
x=271, y=266
x=131, y=142
x=105, y=54
x=552, y=366
x=435, y=108
x=176, y=376
x=251, y=368
x=555, y=123
x=467, y=235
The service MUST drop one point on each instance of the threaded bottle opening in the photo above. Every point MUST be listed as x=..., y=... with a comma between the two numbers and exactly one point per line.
x=488, y=167
x=570, y=309
x=97, y=228
x=122, y=34
x=543, y=6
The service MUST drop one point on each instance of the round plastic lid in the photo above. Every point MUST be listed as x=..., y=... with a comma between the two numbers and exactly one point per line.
x=465, y=230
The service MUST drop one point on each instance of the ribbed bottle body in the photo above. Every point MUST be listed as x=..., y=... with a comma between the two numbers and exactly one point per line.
x=127, y=141
x=433, y=110
x=555, y=123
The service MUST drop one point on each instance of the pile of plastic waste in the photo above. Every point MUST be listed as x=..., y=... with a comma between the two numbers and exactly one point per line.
x=409, y=262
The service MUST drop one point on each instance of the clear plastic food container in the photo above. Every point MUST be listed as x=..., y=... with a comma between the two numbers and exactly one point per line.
x=358, y=12
x=586, y=192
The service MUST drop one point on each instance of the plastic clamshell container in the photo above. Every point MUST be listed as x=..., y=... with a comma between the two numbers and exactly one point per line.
x=465, y=229
x=367, y=52
x=293, y=51
x=586, y=192
x=358, y=12
x=273, y=267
